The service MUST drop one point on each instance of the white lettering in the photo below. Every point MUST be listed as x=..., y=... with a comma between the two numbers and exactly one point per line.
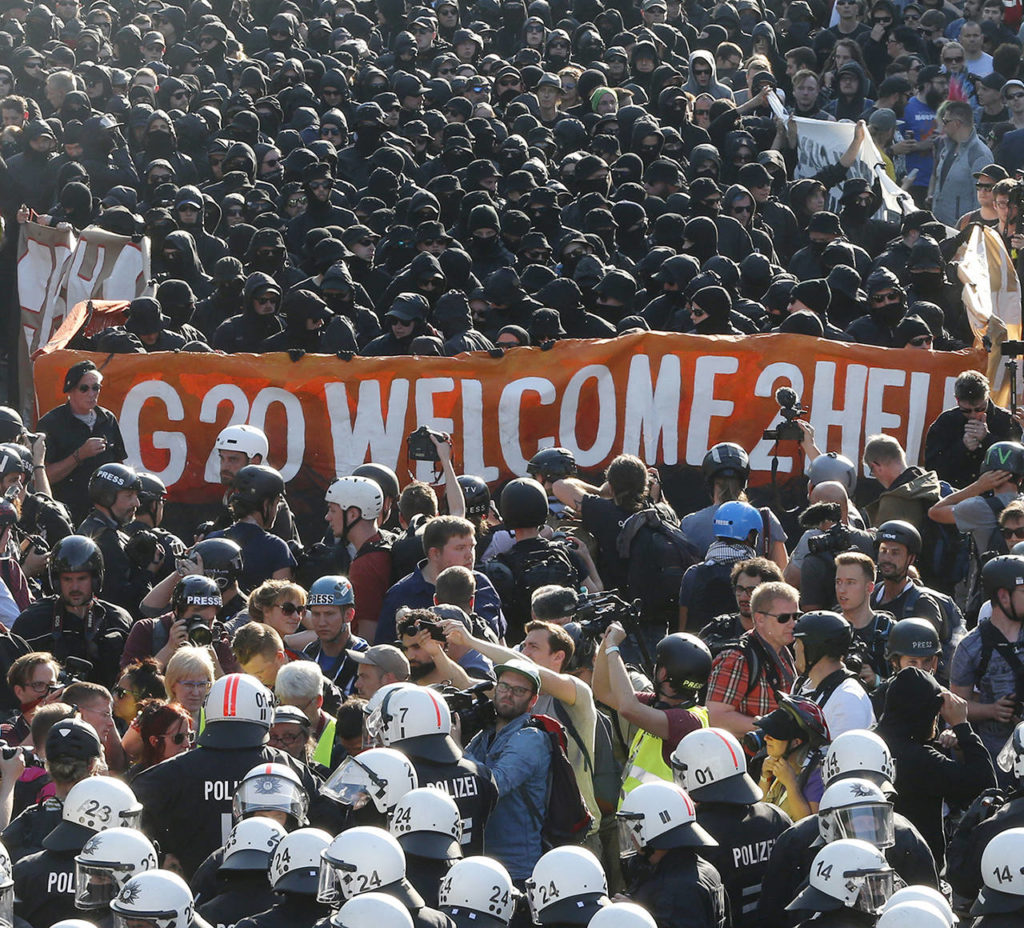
x=473, y=432
x=60, y=882
x=295, y=425
x=876, y=419
x=917, y=409
x=761, y=456
x=824, y=414
x=363, y=433
x=603, y=413
x=510, y=408
x=652, y=411
x=704, y=406
x=174, y=442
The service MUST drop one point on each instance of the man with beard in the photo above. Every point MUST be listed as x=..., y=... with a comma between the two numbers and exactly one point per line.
x=424, y=645
x=725, y=630
x=331, y=606
x=920, y=124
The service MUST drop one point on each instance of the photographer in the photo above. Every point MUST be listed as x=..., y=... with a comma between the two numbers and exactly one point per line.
x=424, y=644
x=147, y=538
x=855, y=582
x=193, y=620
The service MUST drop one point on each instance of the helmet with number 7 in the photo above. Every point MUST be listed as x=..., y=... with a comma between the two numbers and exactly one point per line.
x=361, y=860
x=238, y=713
x=710, y=765
x=846, y=873
x=107, y=862
x=416, y=720
x=372, y=910
x=478, y=891
x=93, y=804
x=157, y=897
x=568, y=885
x=270, y=787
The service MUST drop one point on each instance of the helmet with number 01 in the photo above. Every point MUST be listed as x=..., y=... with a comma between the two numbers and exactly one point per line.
x=157, y=897
x=361, y=860
x=238, y=712
x=427, y=823
x=270, y=788
x=478, y=891
x=860, y=753
x=108, y=861
x=659, y=816
x=856, y=808
x=372, y=910
x=623, y=915
x=415, y=718
x=846, y=873
x=1003, y=874
x=915, y=914
x=93, y=804
x=251, y=844
x=295, y=863
x=710, y=765
x=245, y=439
x=926, y=894
x=380, y=775
x=568, y=883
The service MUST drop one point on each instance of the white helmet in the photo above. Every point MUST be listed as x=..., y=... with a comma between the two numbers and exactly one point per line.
x=372, y=910
x=567, y=882
x=1011, y=757
x=380, y=775
x=410, y=717
x=912, y=915
x=159, y=897
x=373, y=703
x=295, y=864
x=239, y=710
x=659, y=816
x=856, y=808
x=623, y=915
x=1003, y=874
x=711, y=766
x=107, y=862
x=5, y=859
x=270, y=787
x=7, y=893
x=251, y=844
x=361, y=493
x=67, y=923
x=93, y=804
x=860, y=753
x=358, y=861
x=427, y=823
x=848, y=873
x=481, y=890
x=244, y=438
x=926, y=894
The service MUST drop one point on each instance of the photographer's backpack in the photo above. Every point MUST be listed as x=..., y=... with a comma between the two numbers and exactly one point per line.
x=528, y=570
x=566, y=820
x=657, y=555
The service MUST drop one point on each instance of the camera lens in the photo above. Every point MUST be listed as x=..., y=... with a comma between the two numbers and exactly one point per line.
x=199, y=634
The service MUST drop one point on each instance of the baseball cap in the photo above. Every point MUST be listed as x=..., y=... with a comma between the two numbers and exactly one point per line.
x=385, y=657
x=996, y=171
x=528, y=669
x=1013, y=83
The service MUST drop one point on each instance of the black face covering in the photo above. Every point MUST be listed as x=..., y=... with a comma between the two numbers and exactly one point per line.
x=174, y=261
x=368, y=139
x=230, y=289
x=545, y=220
x=928, y=283
x=569, y=263
x=273, y=177
x=857, y=213
x=888, y=314
x=602, y=185
x=483, y=247
x=159, y=142
x=817, y=247
x=340, y=304
x=648, y=153
x=268, y=264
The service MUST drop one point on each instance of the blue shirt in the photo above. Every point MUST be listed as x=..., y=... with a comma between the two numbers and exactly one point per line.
x=263, y=554
x=919, y=123
x=519, y=759
x=415, y=592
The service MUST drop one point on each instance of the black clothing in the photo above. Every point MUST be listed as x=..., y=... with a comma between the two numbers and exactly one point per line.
x=682, y=891
x=25, y=834
x=469, y=784
x=289, y=911
x=426, y=876
x=945, y=451
x=124, y=582
x=242, y=895
x=965, y=877
x=44, y=887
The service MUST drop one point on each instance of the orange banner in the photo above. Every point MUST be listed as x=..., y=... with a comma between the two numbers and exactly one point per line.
x=665, y=397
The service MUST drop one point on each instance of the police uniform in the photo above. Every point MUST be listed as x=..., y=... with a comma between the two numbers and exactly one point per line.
x=791, y=859
x=44, y=887
x=426, y=875
x=746, y=835
x=682, y=890
x=291, y=910
x=187, y=799
x=469, y=784
x=243, y=894
x=25, y=834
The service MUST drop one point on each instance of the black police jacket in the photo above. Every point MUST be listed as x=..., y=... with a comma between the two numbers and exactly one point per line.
x=99, y=638
x=964, y=871
x=790, y=864
x=124, y=582
x=291, y=911
x=44, y=887
x=25, y=834
x=187, y=800
x=470, y=785
x=746, y=835
x=243, y=894
x=682, y=891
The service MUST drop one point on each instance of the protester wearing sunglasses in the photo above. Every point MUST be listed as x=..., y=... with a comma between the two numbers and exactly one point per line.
x=281, y=604
x=165, y=730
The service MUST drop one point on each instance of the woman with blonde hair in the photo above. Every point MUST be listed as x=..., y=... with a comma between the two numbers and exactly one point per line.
x=188, y=678
x=281, y=604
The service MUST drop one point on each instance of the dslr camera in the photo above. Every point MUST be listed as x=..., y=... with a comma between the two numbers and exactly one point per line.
x=200, y=634
x=421, y=448
x=790, y=408
x=412, y=627
x=597, y=611
x=31, y=758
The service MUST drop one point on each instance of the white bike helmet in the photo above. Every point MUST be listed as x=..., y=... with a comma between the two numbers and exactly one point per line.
x=357, y=492
x=247, y=439
x=478, y=891
x=108, y=861
x=846, y=873
x=380, y=775
x=711, y=766
x=427, y=823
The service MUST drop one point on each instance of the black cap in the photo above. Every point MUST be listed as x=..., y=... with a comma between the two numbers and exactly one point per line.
x=74, y=739
x=996, y=171
x=76, y=372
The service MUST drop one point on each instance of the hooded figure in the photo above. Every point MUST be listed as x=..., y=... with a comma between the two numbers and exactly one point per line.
x=887, y=304
x=179, y=260
x=405, y=321
x=267, y=253
x=342, y=296
x=674, y=276
x=75, y=206
x=225, y=300
x=701, y=60
x=851, y=86
x=209, y=248
x=161, y=141
x=926, y=776
x=33, y=173
x=453, y=318
x=306, y=319
x=105, y=157
x=258, y=320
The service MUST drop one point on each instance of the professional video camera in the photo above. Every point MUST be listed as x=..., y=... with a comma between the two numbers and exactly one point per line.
x=472, y=707
x=596, y=611
x=836, y=540
x=789, y=405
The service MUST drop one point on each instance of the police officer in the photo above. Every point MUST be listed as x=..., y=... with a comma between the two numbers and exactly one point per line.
x=478, y=890
x=44, y=882
x=658, y=721
x=372, y=910
x=427, y=825
x=849, y=882
x=76, y=622
x=567, y=887
x=243, y=884
x=187, y=800
x=107, y=861
x=114, y=494
x=367, y=859
x=711, y=766
x=424, y=736
x=1000, y=903
x=670, y=879
x=73, y=752
x=910, y=643
x=369, y=785
x=156, y=898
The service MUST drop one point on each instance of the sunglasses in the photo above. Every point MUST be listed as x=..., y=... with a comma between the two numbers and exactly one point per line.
x=880, y=298
x=291, y=608
x=446, y=70
x=702, y=112
x=953, y=59
x=783, y=617
x=266, y=300
x=330, y=93
x=1012, y=532
x=89, y=387
x=919, y=342
x=181, y=737
x=120, y=692
x=742, y=209
x=702, y=72
x=161, y=178
x=320, y=185
x=981, y=186
x=882, y=22
x=297, y=201
x=1015, y=96
x=235, y=212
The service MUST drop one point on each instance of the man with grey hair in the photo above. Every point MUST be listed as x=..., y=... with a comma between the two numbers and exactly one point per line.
x=300, y=684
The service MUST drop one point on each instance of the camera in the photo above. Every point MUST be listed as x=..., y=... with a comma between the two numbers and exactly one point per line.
x=834, y=541
x=472, y=707
x=1011, y=349
x=31, y=758
x=75, y=670
x=199, y=633
x=42, y=516
x=855, y=661
x=597, y=611
x=142, y=547
x=412, y=627
x=421, y=448
x=790, y=408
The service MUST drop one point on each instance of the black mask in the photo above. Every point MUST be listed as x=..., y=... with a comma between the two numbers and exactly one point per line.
x=888, y=314
x=929, y=282
x=159, y=142
x=482, y=247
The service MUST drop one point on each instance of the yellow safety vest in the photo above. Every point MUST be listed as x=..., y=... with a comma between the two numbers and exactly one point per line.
x=646, y=763
x=324, y=747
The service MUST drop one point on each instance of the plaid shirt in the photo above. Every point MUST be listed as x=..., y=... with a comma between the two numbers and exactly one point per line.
x=729, y=684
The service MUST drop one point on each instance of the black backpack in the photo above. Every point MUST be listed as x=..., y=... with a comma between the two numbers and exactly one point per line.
x=567, y=818
x=529, y=570
x=657, y=554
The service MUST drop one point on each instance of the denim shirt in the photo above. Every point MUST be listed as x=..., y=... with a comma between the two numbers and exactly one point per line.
x=519, y=759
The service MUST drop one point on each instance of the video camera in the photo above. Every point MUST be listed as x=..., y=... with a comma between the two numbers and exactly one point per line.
x=790, y=408
x=472, y=707
x=596, y=611
x=421, y=448
x=836, y=540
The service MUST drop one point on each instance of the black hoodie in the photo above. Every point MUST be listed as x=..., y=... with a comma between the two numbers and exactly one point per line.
x=247, y=332
x=186, y=265
x=453, y=318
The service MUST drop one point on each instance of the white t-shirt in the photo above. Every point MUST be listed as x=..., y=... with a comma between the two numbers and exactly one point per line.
x=848, y=708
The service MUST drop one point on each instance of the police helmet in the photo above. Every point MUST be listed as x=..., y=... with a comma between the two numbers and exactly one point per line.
x=478, y=890
x=476, y=494
x=1011, y=758
x=859, y=753
x=296, y=861
x=726, y=459
x=195, y=590
x=567, y=885
x=331, y=591
x=1003, y=891
x=360, y=493
x=1004, y=455
x=687, y=662
x=1005, y=572
x=417, y=720
x=912, y=638
x=659, y=816
x=899, y=532
x=107, y=861
x=363, y=859
x=251, y=844
x=238, y=713
x=710, y=765
x=246, y=439
x=737, y=520
x=256, y=484
x=93, y=804
x=270, y=787
x=856, y=808
x=833, y=466
x=110, y=479
x=846, y=873
x=75, y=554
x=524, y=504
x=383, y=476
x=427, y=823
x=926, y=894
x=552, y=464
x=913, y=914
x=221, y=560
x=622, y=915
x=380, y=775
x=156, y=896
x=372, y=910
x=824, y=634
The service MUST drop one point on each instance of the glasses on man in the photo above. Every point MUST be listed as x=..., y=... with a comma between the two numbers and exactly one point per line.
x=518, y=691
x=266, y=301
x=286, y=740
x=742, y=210
x=784, y=618
x=952, y=59
x=702, y=72
x=196, y=685
x=1015, y=96
x=881, y=298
